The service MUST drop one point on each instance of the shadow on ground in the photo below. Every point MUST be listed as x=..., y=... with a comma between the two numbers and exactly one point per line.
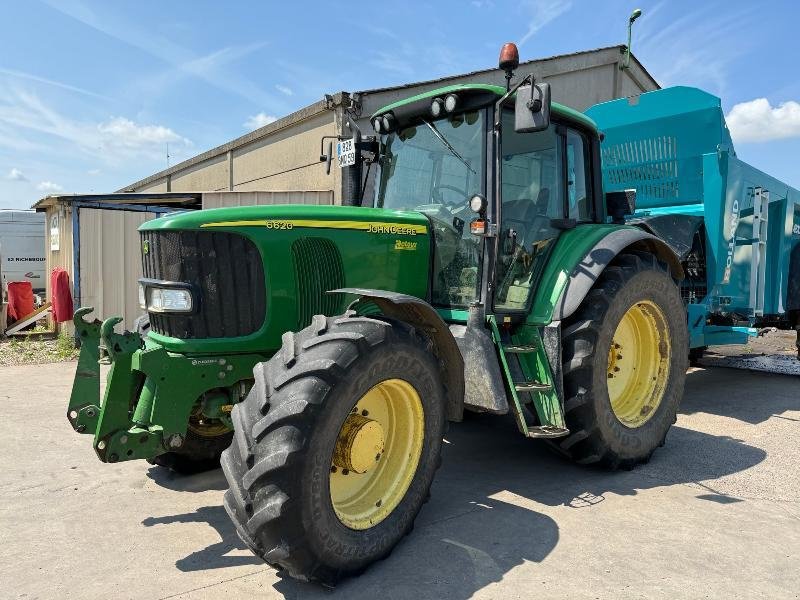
x=482, y=520
x=720, y=391
x=214, y=556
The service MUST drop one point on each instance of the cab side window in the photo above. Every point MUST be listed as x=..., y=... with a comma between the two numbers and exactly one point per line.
x=532, y=194
x=578, y=180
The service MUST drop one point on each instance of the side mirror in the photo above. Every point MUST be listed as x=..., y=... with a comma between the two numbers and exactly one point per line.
x=532, y=108
x=620, y=204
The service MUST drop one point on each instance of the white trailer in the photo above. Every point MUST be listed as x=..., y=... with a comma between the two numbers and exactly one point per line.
x=22, y=252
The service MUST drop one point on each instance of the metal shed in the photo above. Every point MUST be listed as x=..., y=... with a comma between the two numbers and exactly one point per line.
x=282, y=158
x=94, y=239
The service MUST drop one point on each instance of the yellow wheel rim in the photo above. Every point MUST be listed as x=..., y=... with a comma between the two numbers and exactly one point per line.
x=204, y=426
x=638, y=364
x=376, y=454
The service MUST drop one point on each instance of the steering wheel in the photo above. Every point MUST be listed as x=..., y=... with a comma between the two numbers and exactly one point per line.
x=437, y=194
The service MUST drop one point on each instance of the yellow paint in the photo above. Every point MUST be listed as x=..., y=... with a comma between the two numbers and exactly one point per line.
x=363, y=499
x=360, y=441
x=368, y=226
x=638, y=364
x=404, y=245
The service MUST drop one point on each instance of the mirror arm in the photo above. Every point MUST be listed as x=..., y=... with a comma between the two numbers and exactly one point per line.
x=498, y=106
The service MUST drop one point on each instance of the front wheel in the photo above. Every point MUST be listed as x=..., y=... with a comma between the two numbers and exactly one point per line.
x=625, y=354
x=336, y=445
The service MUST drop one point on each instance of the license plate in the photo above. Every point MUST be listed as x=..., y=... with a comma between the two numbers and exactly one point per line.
x=346, y=153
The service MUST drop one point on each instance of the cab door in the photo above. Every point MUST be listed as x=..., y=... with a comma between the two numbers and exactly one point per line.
x=545, y=188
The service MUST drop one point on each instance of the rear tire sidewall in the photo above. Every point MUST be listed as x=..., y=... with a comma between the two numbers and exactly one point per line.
x=656, y=287
x=338, y=545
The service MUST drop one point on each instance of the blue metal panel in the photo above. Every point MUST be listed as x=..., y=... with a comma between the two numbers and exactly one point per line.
x=674, y=148
x=654, y=143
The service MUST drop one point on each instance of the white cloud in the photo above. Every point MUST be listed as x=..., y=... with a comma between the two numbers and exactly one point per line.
x=542, y=12
x=23, y=113
x=16, y=175
x=123, y=133
x=49, y=187
x=93, y=172
x=259, y=120
x=285, y=90
x=759, y=121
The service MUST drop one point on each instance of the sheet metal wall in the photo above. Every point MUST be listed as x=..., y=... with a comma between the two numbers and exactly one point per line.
x=111, y=262
x=225, y=199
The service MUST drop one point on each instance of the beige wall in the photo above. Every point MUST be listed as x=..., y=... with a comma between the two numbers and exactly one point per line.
x=211, y=174
x=287, y=160
x=157, y=187
x=223, y=199
x=111, y=262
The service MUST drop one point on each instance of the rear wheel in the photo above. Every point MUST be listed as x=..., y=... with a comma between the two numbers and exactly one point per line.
x=336, y=446
x=625, y=355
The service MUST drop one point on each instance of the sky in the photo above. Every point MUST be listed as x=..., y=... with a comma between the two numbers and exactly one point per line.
x=96, y=95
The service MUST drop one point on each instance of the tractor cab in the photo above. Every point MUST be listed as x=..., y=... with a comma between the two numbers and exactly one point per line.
x=500, y=173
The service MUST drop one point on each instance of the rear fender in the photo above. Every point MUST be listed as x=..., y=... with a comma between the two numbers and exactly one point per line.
x=422, y=315
x=588, y=270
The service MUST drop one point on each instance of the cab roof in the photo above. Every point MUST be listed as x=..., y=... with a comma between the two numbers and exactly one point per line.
x=492, y=93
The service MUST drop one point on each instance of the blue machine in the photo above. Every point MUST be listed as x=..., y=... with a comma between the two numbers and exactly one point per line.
x=735, y=228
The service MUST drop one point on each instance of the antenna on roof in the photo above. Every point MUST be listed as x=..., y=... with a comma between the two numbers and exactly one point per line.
x=168, y=155
x=627, y=62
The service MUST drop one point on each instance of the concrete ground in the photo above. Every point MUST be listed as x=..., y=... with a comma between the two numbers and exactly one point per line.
x=716, y=513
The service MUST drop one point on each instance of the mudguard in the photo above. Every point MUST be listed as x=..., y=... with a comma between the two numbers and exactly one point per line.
x=587, y=271
x=422, y=315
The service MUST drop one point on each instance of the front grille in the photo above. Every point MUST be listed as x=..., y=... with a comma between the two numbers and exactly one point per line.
x=227, y=271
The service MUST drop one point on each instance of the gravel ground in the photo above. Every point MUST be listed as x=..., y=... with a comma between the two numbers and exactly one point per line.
x=31, y=351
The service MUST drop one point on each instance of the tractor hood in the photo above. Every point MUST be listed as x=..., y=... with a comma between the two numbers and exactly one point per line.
x=255, y=272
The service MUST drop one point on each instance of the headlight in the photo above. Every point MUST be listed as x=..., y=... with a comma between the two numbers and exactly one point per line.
x=450, y=102
x=169, y=300
x=142, y=299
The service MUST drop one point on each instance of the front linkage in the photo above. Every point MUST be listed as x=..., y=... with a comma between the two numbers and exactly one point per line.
x=150, y=393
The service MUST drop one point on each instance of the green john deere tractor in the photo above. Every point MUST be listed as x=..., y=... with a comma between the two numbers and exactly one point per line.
x=321, y=351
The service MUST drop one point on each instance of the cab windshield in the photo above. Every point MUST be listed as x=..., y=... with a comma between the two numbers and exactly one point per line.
x=435, y=167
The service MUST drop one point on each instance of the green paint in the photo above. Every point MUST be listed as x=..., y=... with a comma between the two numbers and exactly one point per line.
x=162, y=386
x=370, y=260
x=570, y=249
x=84, y=402
x=535, y=367
x=556, y=109
x=453, y=315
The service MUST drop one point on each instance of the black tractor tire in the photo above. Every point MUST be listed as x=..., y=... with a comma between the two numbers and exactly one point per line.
x=197, y=454
x=280, y=462
x=597, y=436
